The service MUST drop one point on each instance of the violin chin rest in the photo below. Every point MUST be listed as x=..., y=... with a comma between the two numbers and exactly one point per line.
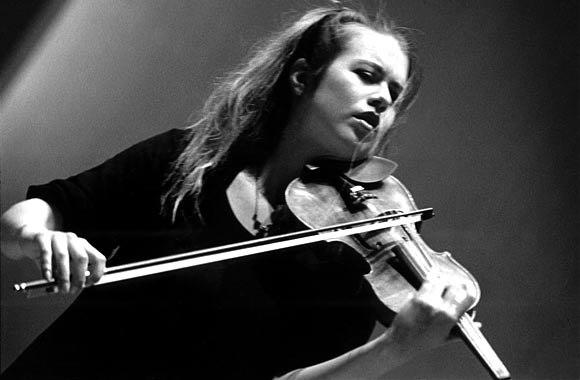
x=373, y=170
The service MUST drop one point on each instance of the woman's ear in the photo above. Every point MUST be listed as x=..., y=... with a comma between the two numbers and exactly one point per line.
x=299, y=76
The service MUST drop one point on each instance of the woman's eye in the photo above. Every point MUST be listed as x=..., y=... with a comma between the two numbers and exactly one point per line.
x=366, y=75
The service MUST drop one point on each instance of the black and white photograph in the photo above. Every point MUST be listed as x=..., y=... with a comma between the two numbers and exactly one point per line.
x=289, y=190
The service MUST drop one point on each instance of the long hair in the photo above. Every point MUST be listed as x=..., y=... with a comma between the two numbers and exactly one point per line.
x=242, y=119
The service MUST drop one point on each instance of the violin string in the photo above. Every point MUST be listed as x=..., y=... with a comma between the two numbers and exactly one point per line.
x=421, y=261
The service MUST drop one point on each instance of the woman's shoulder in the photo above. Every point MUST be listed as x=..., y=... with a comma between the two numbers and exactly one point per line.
x=170, y=142
x=150, y=158
x=173, y=136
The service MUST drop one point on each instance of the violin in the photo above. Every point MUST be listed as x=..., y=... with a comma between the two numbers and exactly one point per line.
x=399, y=259
x=364, y=207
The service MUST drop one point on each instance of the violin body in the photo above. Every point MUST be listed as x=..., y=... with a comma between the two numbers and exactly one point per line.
x=317, y=203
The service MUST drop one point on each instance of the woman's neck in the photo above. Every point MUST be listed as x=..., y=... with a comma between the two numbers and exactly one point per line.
x=288, y=159
x=277, y=172
x=256, y=192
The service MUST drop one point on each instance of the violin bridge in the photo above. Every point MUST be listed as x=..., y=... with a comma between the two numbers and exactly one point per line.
x=356, y=196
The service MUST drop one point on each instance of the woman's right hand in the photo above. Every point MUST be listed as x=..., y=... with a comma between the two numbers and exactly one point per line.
x=63, y=256
x=31, y=229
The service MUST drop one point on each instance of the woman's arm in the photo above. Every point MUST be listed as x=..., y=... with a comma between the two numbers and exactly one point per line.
x=31, y=229
x=423, y=323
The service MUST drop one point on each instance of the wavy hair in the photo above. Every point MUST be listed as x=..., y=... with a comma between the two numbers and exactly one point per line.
x=242, y=119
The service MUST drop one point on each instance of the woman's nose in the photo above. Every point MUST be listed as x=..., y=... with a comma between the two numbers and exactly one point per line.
x=381, y=100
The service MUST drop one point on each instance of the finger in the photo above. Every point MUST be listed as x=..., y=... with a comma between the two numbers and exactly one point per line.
x=45, y=255
x=472, y=314
x=455, y=294
x=78, y=262
x=434, y=284
x=97, y=262
x=36, y=246
x=60, y=261
x=431, y=291
x=456, y=300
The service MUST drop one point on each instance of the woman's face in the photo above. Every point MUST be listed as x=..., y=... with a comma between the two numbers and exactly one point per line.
x=351, y=108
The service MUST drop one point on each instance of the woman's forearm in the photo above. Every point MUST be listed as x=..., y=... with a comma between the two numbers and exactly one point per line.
x=423, y=323
x=33, y=213
x=369, y=361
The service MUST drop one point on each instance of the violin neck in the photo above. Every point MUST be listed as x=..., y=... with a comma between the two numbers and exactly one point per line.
x=419, y=264
x=477, y=343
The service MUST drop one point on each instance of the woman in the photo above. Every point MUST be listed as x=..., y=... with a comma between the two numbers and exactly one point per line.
x=329, y=86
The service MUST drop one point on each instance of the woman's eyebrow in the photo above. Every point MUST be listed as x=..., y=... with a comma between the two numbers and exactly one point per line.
x=383, y=71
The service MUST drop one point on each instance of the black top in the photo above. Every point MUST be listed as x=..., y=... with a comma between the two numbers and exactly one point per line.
x=251, y=318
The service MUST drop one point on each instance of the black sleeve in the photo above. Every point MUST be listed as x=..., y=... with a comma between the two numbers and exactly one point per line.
x=119, y=199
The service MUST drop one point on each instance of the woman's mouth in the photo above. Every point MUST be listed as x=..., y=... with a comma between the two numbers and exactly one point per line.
x=364, y=124
x=368, y=120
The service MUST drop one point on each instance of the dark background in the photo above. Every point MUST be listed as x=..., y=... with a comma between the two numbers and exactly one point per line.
x=491, y=144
